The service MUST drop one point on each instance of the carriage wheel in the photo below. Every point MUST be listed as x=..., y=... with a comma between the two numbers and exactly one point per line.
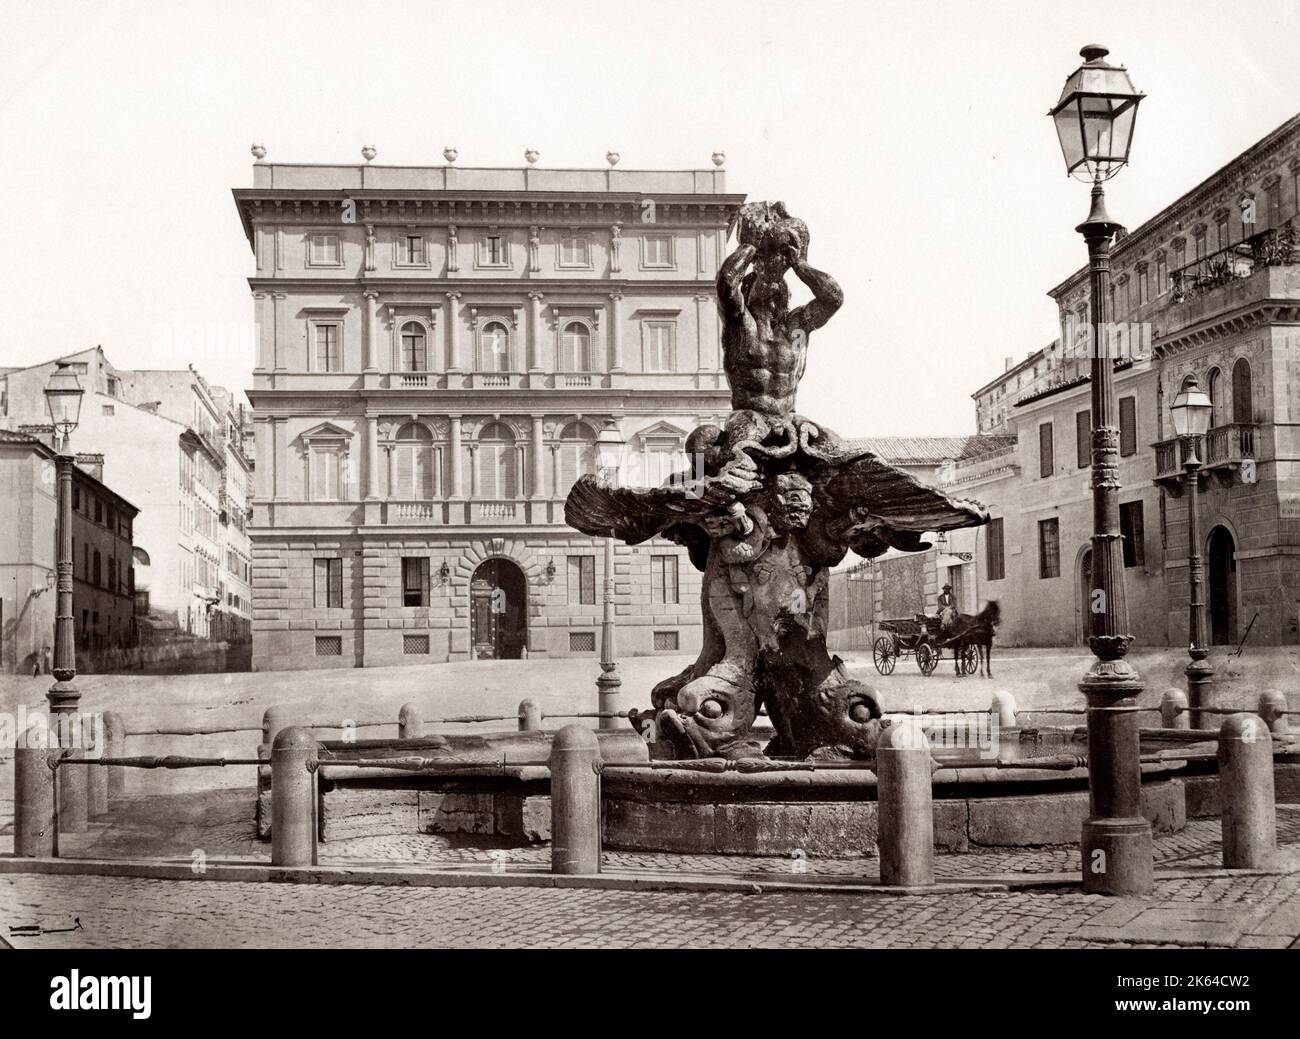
x=970, y=659
x=927, y=659
x=884, y=655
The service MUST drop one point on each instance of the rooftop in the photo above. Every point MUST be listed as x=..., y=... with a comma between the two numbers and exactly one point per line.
x=468, y=180
x=932, y=450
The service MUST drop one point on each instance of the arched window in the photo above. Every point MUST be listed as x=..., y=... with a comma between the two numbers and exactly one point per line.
x=1243, y=409
x=497, y=463
x=1214, y=387
x=575, y=348
x=577, y=455
x=413, y=469
x=415, y=357
x=496, y=347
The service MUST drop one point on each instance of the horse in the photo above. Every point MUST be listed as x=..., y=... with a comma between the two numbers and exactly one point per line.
x=977, y=630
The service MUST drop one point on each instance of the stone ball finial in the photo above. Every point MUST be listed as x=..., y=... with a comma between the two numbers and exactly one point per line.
x=532, y=155
x=449, y=153
x=1093, y=52
x=719, y=157
x=612, y=158
x=259, y=151
x=368, y=152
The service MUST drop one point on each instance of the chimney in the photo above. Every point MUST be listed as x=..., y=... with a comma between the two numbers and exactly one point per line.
x=1006, y=364
x=92, y=464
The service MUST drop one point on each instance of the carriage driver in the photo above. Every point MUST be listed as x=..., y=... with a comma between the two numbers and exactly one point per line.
x=947, y=609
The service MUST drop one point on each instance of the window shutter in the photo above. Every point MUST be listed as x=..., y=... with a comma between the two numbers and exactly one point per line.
x=1127, y=426
x=1083, y=438
x=405, y=474
x=336, y=582
x=1045, y=450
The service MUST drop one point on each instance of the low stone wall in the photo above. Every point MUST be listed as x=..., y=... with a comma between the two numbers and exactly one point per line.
x=368, y=812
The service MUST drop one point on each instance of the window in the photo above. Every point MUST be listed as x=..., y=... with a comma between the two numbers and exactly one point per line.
x=661, y=460
x=497, y=463
x=1162, y=275
x=415, y=581
x=1213, y=389
x=413, y=467
x=493, y=251
x=582, y=580
x=329, y=645
x=329, y=584
x=326, y=467
x=1049, y=548
x=97, y=576
x=1242, y=406
x=1130, y=526
x=657, y=250
x=996, y=549
x=323, y=251
x=1127, y=426
x=575, y=348
x=410, y=250
x=665, y=641
x=1083, y=439
x=417, y=645
x=1221, y=227
x=99, y=511
x=1180, y=254
x=495, y=343
x=663, y=579
x=1045, y=466
x=85, y=563
x=577, y=455
x=106, y=409
x=582, y=642
x=328, y=357
x=76, y=499
x=574, y=252
x=658, y=340
x=1200, y=244
x=415, y=358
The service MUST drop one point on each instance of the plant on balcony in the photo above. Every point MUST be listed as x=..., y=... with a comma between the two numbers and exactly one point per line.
x=1275, y=248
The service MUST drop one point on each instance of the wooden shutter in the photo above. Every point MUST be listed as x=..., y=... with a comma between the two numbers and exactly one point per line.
x=405, y=472
x=1045, y=466
x=1083, y=438
x=1127, y=426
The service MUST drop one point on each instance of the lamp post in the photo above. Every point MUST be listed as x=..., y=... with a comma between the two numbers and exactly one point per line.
x=609, y=450
x=63, y=396
x=1190, y=412
x=1094, y=121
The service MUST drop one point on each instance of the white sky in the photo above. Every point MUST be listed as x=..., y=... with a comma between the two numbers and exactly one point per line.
x=911, y=136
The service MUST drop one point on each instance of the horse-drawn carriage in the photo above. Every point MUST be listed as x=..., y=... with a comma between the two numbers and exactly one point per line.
x=923, y=638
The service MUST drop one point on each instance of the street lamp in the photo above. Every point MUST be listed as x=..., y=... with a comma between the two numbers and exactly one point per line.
x=609, y=459
x=1094, y=121
x=1190, y=412
x=63, y=396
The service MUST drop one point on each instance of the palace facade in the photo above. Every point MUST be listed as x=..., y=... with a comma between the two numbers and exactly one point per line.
x=439, y=351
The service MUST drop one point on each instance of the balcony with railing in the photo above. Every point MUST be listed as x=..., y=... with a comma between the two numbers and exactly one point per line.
x=1223, y=450
x=475, y=512
x=1278, y=247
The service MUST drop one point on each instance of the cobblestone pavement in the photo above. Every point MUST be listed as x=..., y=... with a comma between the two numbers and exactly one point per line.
x=1197, y=909
x=116, y=912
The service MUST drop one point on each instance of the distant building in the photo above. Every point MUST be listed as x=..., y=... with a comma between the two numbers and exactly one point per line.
x=439, y=350
x=102, y=557
x=173, y=445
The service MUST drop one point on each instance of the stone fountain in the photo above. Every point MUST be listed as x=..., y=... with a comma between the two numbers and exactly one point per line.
x=773, y=501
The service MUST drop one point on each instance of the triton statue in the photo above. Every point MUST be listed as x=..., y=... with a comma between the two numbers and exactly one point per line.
x=772, y=503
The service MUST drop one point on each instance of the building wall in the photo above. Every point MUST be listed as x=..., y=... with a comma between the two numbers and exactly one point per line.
x=358, y=409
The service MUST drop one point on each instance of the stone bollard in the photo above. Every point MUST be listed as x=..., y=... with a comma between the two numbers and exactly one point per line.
x=33, y=795
x=530, y=716
x=293, y=793
x=1246, y=793
x=96, y=775
x=1273, y=708
x=1003, y=709
x=575, y=801
x=410, y=725
x=273, y=720
x=1173, y=710
x=115, y=747
x=904, y=808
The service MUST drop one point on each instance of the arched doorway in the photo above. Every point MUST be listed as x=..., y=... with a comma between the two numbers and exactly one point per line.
x=1222, y=553
x=498, y=611
x=1085, y=595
